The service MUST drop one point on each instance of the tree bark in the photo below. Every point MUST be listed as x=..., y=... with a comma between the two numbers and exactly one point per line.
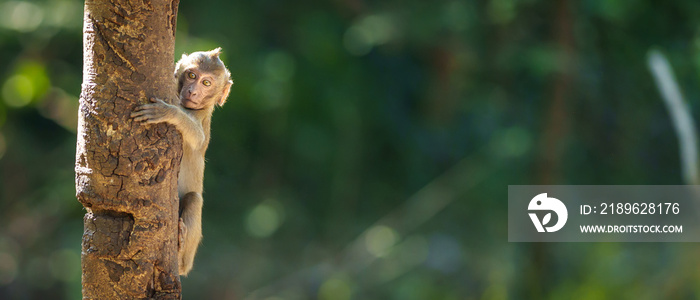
x=126, y=173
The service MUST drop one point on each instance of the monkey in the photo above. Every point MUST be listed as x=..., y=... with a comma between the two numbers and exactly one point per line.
x=203, y=81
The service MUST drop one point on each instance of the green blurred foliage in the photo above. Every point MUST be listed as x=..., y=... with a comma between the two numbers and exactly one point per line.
x=366, y=147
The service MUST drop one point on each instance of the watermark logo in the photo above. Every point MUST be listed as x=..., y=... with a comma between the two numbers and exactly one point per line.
x=542, y=202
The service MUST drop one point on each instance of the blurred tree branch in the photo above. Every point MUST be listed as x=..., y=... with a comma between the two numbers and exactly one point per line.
x=680, y=115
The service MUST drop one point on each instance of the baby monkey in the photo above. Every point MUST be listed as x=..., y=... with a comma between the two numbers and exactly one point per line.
x=203, y=82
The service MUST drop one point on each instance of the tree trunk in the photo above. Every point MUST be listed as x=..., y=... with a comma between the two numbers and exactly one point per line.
x=126, y=173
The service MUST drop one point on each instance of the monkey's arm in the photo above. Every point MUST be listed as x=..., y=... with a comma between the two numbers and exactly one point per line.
x=158, y=111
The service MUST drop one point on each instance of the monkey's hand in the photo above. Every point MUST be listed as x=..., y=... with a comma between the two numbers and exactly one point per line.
x=155, y=112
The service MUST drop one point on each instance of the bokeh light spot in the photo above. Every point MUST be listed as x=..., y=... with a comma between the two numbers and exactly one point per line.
x=369, y=32
x=63, y=14
x=264, y=219
x=21, y=16
x=357, y=41
x=445, y=254
x=18, y=91
x=335, y=289
x=29, y=81
x=380, y=240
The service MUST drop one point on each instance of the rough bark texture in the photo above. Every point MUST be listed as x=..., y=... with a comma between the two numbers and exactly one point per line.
x=126, y=173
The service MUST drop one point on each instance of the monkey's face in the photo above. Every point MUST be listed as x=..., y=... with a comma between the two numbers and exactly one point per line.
x=198, y=89
x=203, y=80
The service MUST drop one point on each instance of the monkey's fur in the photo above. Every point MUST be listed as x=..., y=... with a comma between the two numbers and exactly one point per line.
x=203, y=82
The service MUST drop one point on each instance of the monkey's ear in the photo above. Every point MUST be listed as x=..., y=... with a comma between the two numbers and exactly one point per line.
x=224, y=94
x=184, y=55
x=215, y=53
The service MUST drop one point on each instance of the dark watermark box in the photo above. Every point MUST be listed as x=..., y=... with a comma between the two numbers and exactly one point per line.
x=603, y=213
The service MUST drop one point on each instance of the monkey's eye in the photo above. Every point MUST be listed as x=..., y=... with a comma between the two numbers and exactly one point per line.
x=191, y=75
x=206, y=82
